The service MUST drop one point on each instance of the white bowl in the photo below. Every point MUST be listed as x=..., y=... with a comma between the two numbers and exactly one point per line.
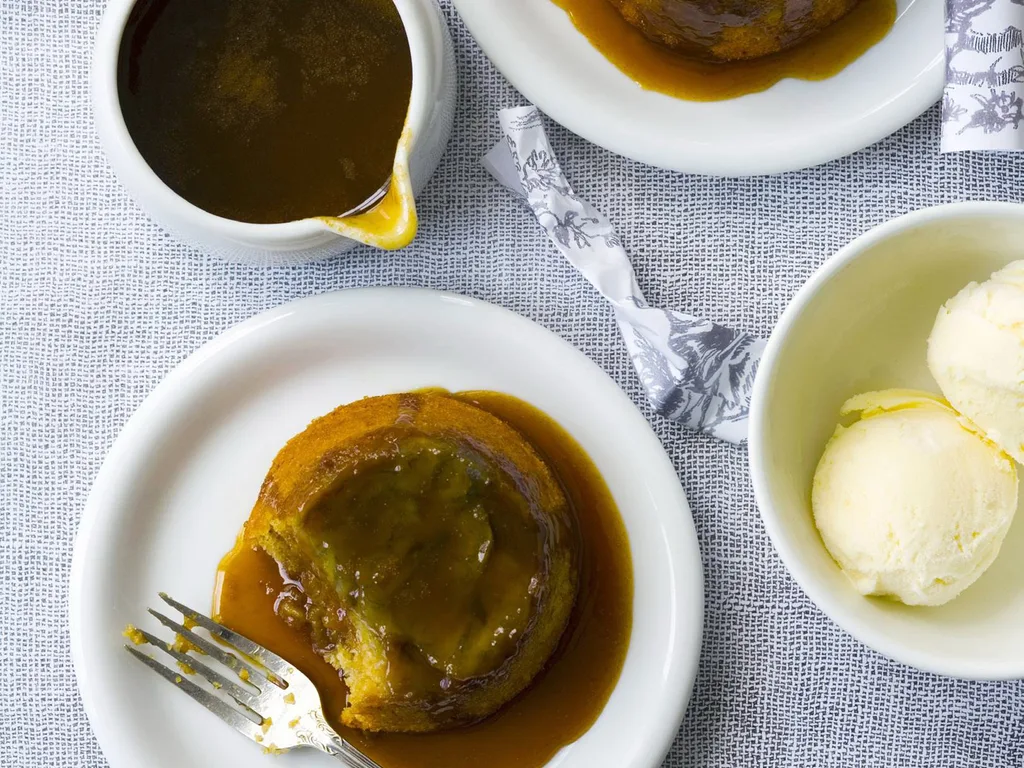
x=861, y=323
x=428, y=123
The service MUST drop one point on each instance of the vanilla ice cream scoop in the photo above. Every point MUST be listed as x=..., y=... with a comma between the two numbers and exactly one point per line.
x=976, y=354
x=910, y=501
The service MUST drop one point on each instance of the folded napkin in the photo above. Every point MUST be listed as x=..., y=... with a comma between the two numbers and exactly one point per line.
x=693, y=370
x=983, y=102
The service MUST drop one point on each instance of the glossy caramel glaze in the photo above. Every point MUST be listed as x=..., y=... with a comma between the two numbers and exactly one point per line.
x=266, y=111
x=658, y=68
x=567, y=696
x=438, y=546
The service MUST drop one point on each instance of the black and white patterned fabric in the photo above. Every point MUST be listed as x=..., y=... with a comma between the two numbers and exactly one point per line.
x=696, y=372
x=983, y=103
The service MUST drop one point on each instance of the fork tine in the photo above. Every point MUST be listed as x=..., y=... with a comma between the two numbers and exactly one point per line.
x=240, y=721
x=270, y=659
x=246, y=698
x=229, y=660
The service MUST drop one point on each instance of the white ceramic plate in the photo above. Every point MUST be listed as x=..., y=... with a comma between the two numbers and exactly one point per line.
x=795, y=124
x=182, y=477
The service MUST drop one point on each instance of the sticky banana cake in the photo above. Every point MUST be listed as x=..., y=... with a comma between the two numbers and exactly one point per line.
x=433, y=555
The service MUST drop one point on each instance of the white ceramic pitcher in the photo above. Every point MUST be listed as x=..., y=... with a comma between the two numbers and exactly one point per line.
x=424, y=137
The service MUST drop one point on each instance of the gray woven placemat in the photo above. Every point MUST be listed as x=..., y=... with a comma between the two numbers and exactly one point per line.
x=98, y=304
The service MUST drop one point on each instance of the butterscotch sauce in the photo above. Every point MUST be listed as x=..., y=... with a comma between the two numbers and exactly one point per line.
x=565, y=698
x=268, y=111
x=657, y=68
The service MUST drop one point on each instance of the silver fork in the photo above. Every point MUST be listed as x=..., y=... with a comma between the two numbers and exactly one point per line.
x=265, y=697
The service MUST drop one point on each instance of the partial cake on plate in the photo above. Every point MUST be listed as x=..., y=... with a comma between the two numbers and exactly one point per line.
x=728, y=30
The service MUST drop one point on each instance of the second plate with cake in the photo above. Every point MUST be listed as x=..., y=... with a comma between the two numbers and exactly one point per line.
x=792, y=124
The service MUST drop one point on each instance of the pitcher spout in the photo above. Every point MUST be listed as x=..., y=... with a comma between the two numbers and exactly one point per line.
x=391, y=223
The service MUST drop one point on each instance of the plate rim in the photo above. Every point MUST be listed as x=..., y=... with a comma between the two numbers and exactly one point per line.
x=686, y=665
x=847, y=136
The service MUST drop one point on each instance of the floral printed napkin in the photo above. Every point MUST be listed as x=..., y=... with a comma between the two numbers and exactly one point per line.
x=983, y=103
x=694, y=371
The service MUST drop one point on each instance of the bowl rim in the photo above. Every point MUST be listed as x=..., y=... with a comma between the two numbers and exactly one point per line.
x=979, y=668
x=426, y=42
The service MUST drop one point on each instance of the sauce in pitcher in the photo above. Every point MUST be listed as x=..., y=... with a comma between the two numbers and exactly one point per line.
x=267, y=111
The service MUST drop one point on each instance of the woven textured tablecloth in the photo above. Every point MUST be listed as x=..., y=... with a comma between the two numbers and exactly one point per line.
x=97, y=304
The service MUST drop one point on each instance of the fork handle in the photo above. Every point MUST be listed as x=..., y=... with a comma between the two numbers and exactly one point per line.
x=327, y=739
x=349, y=755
